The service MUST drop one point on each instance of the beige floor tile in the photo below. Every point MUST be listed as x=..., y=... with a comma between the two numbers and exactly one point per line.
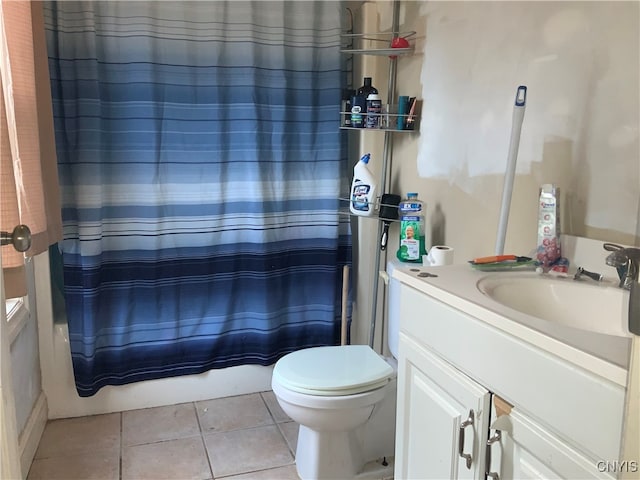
x=274, y=407
x=183, y=459
x=73, y=436
x=281, y=473
x=95, y=466
x=151, y=425
x=290, y=433
x=232, y=413
x=248, y=450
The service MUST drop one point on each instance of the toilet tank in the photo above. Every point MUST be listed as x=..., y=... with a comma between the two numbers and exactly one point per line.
x=393, y=309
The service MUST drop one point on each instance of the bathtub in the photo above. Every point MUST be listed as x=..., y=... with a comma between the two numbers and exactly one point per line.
x=58, y=382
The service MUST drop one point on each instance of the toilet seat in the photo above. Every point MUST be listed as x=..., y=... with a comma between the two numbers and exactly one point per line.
x=332, y=371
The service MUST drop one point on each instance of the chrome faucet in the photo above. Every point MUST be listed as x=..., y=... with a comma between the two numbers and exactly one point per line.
x=627, y=263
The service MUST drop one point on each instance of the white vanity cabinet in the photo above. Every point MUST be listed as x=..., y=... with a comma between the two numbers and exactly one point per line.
x=564, y=420
x=444, y=418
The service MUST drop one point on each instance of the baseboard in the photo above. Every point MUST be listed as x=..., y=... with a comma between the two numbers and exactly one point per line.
x=32, y=433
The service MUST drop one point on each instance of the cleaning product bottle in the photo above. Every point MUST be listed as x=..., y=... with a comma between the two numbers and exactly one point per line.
x=412, y=229
x=363, y=188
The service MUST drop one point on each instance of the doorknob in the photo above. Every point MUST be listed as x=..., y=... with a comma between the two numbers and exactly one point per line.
x=20, y=238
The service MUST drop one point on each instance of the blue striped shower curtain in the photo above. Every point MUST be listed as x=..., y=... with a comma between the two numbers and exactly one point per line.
x=200, y=163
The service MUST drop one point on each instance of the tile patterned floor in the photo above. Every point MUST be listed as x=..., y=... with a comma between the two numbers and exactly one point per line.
x=235, y=438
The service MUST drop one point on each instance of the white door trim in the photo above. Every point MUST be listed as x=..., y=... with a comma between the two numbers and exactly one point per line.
x=9, y=449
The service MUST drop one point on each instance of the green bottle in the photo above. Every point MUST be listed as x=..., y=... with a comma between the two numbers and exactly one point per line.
x=412, y=230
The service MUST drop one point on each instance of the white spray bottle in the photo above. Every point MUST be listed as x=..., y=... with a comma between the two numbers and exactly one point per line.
x=363, y=188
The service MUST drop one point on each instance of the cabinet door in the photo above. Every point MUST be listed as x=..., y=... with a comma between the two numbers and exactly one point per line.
x=435, y=402
x=529, y=451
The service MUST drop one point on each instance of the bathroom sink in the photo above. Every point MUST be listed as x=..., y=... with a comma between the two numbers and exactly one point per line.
x=582, y=304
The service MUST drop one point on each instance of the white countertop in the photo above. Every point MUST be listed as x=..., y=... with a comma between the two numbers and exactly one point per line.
x=455, y=285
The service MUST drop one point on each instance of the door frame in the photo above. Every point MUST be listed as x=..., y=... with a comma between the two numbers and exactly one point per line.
x=9, y=446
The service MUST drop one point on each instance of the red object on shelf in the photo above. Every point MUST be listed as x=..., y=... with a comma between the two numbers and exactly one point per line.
x=399, y=42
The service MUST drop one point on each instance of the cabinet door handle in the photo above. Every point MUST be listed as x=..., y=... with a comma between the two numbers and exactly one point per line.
x=463, y=425
x=494, y=438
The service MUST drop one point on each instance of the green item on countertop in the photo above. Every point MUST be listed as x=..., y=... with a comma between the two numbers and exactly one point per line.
x=506, y=266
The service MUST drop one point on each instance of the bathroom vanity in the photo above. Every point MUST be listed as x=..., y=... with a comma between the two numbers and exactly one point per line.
x=486, y=390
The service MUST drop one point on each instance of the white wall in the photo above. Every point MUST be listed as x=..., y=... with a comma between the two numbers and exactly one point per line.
x=581, y=63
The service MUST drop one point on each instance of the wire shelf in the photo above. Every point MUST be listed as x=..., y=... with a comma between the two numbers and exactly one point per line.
x=357, y=43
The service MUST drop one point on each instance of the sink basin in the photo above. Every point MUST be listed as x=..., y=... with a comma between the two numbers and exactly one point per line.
x=574, y=303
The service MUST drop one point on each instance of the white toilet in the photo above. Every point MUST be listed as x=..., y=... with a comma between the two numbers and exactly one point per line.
x=344, y=399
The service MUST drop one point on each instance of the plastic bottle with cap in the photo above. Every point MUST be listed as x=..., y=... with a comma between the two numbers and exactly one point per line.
x=412, y=229
x=374, y=108
x=367, y=89
x=358, y=109
x=359, y=103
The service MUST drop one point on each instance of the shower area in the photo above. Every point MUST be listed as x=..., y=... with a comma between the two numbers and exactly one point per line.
x=200, y=164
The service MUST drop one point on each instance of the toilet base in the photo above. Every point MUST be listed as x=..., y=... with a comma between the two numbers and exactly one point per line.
x=341, y=466
x=328, y=455
x=356, y=454
x=377, y=470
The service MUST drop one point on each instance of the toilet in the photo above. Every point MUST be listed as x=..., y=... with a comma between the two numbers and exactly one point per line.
x=344, y=399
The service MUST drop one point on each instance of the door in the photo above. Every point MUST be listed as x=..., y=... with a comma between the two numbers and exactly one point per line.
x=443, y=418
x=9, y=450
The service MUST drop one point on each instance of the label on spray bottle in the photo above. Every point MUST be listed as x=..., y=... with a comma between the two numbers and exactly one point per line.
x=412, y=234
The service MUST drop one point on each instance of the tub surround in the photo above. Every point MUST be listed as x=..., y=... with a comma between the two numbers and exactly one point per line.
x=59, y=387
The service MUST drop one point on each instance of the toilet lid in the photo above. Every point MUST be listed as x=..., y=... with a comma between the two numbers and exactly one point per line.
x=344, y=370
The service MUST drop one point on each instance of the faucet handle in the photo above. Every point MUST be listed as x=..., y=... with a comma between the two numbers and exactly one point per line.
x=617, y=259
x=612, y=247
x=631, y=253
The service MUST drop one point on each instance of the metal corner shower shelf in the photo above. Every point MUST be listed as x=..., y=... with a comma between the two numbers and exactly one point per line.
x=393, y=54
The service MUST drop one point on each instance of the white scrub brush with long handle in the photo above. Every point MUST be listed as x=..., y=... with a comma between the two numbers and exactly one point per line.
x=507, y=189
